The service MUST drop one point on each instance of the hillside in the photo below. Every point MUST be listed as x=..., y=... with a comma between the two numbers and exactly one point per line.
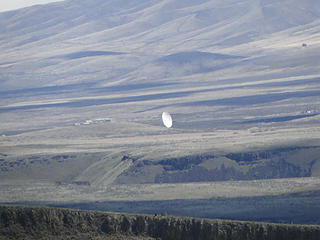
x=215, y=64
x=83, y=85
x=49, y=223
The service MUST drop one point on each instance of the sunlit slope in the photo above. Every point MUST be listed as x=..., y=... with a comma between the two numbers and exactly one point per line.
x=36, y=43
x=211, y=59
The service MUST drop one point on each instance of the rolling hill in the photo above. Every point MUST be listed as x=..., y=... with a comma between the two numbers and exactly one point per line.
x=83, y=85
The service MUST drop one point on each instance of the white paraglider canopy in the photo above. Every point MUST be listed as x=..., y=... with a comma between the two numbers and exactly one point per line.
x=166, y=119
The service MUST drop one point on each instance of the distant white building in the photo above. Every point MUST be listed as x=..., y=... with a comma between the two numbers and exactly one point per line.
x=94, y=121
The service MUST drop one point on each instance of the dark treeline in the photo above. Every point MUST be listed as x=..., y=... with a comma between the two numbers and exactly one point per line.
x=18, y=222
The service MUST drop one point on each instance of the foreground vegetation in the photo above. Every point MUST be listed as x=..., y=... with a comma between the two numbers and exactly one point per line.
x=51, y=223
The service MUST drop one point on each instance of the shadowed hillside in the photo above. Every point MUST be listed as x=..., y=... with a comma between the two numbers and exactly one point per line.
x=49, y=223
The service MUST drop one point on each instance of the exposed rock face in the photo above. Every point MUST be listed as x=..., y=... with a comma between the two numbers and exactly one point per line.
x=50, y=223
x=263, y=164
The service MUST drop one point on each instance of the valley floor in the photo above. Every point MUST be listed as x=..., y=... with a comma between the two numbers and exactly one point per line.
x=275, y=200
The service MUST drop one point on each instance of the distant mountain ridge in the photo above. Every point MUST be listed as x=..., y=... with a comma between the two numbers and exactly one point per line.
x=144, y=30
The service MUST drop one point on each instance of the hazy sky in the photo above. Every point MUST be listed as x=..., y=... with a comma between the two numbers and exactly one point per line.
x=6, y=5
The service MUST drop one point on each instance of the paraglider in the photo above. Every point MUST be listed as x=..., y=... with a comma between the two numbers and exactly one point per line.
x=167, y=119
